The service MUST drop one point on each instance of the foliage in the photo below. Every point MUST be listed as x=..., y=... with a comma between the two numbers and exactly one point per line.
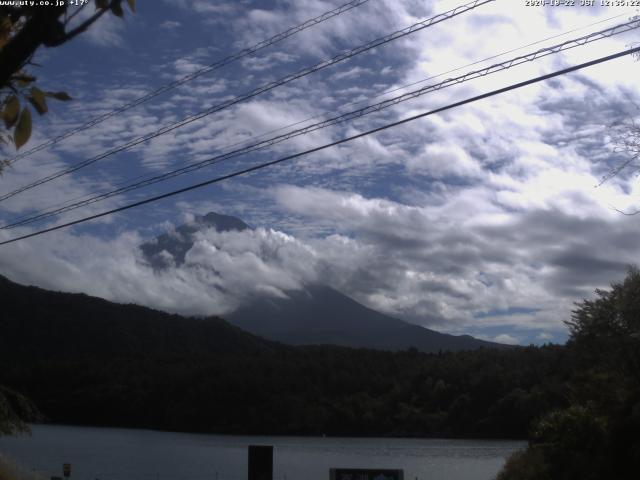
x=17, y=116
x=311, y=390
x=598, y=434
x=15, y=411
x=606, y=332
x=23, y=29
x=527, y=464
x=9, y=470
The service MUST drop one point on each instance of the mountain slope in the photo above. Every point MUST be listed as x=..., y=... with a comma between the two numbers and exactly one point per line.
x=313, y=316
x=45, y=323
x=84, y=360
x=322, y=315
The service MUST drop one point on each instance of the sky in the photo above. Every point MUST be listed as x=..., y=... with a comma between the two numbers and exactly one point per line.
x=488, y=219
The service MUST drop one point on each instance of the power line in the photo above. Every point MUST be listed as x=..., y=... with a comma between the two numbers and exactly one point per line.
x=89, y=197
x=343, y=106
x=328, y=145
x=192, y=76
x=403, y=87
x=258, y=91
x=592, y=37
x=264, y=88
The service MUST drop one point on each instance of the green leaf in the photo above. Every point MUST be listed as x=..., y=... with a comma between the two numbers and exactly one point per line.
x=62, y=96
x=11, y=111
x=132, y=5
x=37, y=99
x=102, y=4
x=23, y=129
x=6, y=26
x=23, y=79
x=116, y=8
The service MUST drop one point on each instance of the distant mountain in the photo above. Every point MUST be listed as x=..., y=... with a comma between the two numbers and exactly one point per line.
x=322, y=315
x=177, y=243
x=315, y=315
x=41, y=323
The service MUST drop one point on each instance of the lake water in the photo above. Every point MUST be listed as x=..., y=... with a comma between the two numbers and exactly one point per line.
x=125, y=454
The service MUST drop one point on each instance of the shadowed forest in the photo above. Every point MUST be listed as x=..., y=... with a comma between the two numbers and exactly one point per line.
x=83, y=360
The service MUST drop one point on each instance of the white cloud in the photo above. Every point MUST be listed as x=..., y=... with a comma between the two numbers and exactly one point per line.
x=170, y=25
x=487, y=206
x=105, y=32
x=445, y=160
x=507, y=339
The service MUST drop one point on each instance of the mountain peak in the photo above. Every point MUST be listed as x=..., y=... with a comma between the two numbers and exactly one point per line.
x=172, y=247
x=315, y=314
x=222, y=223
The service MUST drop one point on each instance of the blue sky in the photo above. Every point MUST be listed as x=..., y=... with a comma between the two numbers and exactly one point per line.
x=485, y=220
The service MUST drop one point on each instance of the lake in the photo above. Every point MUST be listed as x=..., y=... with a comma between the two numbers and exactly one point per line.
x=127, y=454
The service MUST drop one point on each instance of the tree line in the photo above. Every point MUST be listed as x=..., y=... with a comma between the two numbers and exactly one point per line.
x=83, y=360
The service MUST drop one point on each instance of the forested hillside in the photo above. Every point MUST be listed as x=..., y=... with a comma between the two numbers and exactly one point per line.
x=83, y=360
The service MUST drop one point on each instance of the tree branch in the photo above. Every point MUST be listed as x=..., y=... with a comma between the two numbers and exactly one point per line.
x=80, y=28
x=43, y=28
x=72, y=16
x=40, y=29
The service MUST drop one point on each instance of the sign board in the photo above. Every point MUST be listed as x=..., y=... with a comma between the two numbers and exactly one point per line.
x=365, y=474
x=260, y=462
x=66, y=469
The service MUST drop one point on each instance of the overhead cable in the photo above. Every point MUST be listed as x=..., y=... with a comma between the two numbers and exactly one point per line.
x=348, y=116
x=325, y=146
x=192, y=76
x=258, y=91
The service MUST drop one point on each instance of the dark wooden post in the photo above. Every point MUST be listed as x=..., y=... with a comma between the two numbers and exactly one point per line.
x=260, y=462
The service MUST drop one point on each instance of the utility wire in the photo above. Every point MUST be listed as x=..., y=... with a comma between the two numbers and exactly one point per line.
x=403, y=87
x=342, y=107
x=191, y=76
x=258, y=91
x=530, y=57
x=328, y=145
x=79, y=201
